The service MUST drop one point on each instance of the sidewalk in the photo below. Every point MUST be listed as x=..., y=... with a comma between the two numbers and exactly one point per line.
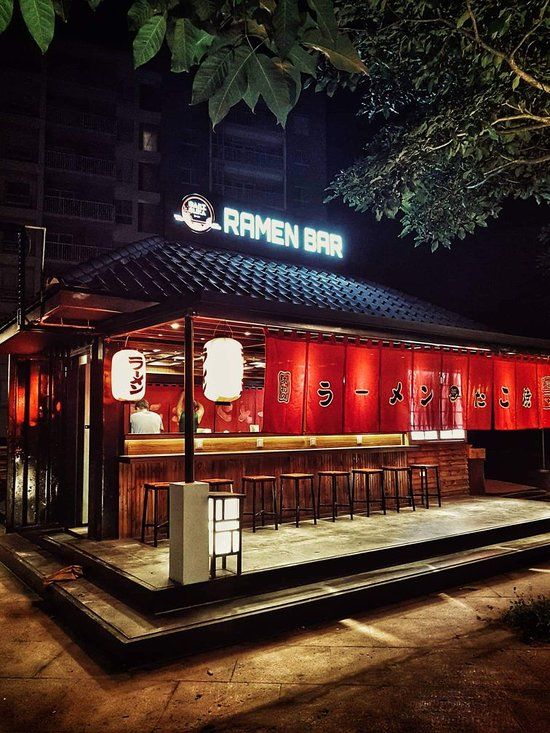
x=440, y=663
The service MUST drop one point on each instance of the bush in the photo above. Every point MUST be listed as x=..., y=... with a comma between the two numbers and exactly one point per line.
x=530, y=618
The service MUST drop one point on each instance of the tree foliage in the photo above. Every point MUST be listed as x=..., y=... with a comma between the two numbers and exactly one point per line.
x=237, y=49
x=458, y=96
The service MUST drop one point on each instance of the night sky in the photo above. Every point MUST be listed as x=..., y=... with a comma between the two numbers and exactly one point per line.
x=491, y=276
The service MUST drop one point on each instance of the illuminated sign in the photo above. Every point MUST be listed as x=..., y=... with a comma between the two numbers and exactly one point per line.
x=128, y=375
x=198, y=214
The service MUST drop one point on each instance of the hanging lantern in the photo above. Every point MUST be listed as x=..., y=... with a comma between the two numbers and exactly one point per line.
x=223, y=370
x=128, y=374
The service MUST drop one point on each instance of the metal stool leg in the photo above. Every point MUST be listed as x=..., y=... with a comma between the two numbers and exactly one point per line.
x=274, y=502
x=144, y=517
x=297, y=500
x=438, y=485
x=155, y=518
x=367, y=491
x=334, y=498
x=262, y=487
x=281, y=501
x=314, y=508
x=319, y=495
x=383, y=490
x=349, y=497
x=410, y=489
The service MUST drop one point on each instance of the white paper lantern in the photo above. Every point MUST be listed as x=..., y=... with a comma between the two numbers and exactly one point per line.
x=128, y=375
x=223, y=370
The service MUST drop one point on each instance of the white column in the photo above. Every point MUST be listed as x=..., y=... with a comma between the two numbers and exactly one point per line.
x=189, y=561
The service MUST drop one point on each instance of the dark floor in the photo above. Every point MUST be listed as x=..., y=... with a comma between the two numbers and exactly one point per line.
x=291, y=545
x=440, y=664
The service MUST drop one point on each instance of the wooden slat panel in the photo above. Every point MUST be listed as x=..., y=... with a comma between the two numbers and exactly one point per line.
x=451, y=458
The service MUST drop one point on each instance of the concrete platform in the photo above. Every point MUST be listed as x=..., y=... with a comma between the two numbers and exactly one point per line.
x=126, y=604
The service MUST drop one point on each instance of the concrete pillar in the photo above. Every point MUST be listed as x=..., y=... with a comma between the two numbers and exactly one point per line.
x=189, y=533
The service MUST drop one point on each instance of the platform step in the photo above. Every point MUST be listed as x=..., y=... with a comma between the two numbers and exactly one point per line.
x=147, y=597
x=132, y=637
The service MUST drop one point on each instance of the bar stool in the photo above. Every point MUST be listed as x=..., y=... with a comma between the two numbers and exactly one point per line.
x=297, y=479
x=368, y=474
x=156, y=488
x=423, y=469
x=394, y=473
x=261, y=481
x=334, y=476
x=218, y=484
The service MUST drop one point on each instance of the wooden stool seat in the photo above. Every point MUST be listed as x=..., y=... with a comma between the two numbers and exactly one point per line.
x=155, y=487
x=297, y=479
x=423, y=471
x=259, y=478
x=377, y=475
x=334, y=503
x=332, y=473
x=394, y=472
x=260, y=481
x=215, y=484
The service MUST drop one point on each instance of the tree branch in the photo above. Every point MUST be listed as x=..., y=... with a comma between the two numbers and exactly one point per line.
x=533, y=29
x=518, y=161
x=525, y=116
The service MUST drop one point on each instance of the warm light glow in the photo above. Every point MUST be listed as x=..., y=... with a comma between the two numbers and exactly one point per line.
x=128, y=375
x=223, y=370
x=175, y=326
x=223, y=526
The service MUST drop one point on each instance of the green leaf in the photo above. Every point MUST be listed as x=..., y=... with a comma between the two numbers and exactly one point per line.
x=204, y=8
x=94, y=4
x=515, y=83
x=39, y=17
x=286, y=22
x=271, y=81
x=463, y=18
x=234, y=86
x=302, y=60
x=187, y=43
x=251, y=97
x=326, y=20
x=211, y=75
x=62, y=8
x=139, y=13
x=149, y=39
x=341, y=54
x=6, y=11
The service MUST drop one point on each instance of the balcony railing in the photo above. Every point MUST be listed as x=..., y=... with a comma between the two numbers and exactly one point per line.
x=250, y=156
x=97, y=210
x=82, y=120
x=63, y=252
x=79, y=163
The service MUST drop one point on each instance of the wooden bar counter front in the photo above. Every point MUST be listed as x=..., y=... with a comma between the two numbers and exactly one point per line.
x=160, y=458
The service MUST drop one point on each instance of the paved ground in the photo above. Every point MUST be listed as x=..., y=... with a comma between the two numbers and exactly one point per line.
x=291, y=545
x=442, y=663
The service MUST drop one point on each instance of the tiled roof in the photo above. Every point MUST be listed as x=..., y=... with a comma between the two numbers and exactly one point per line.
x=156, y=269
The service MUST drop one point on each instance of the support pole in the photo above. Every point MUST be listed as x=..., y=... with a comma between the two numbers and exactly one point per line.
x=189, y=401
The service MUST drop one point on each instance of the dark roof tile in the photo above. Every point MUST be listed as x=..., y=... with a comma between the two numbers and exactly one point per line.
x=156, y=269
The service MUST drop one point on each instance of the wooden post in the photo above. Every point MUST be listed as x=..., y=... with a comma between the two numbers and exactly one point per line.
x=189, y=401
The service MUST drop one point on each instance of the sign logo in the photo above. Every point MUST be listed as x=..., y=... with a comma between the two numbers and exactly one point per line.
x=198, y=213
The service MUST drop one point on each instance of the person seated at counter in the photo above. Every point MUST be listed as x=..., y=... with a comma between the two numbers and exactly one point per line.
x=144, y=421
x=198, y=412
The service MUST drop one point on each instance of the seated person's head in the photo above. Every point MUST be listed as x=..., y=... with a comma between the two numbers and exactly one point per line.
x=142, y=405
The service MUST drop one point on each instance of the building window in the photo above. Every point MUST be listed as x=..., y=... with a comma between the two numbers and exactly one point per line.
x=149, y=138
x=125, y=130
x=438, y=435
x=150, y=98
x=299, y=125
x=123, y=211
x=148, y=177
x=301, y=195
x=18, y=193
x=148, y=218
x=125, y=170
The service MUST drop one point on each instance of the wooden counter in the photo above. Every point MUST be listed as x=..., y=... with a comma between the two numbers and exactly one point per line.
x=137, y=468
